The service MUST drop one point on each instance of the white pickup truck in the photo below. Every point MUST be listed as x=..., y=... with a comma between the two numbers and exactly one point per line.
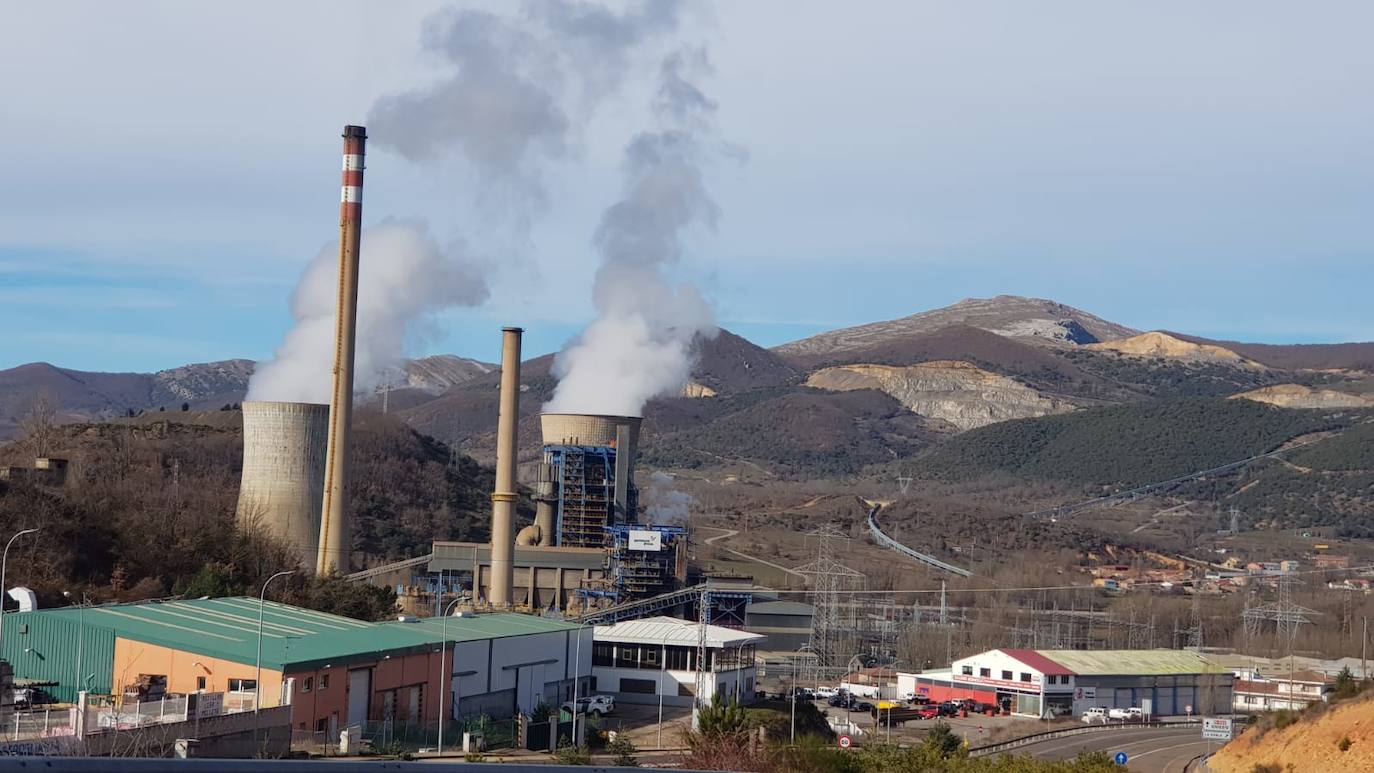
x=600, y=705
x=1095, y=714
x=1131, y=714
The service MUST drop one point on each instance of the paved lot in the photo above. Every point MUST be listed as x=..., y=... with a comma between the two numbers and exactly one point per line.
x=1151, y=750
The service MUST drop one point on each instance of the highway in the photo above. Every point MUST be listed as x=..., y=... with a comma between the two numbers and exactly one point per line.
x=1151, y=750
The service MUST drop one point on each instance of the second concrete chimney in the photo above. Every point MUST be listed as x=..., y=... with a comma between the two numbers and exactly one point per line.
x=503, y=498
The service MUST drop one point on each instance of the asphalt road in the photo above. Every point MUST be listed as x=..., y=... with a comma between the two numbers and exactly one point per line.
x=1151, y=750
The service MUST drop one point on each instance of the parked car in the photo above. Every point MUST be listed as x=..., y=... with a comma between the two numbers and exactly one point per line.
x=826, y=693
x=1125, y=715
x=928, y=712
x=600, y=705
x=950, y=708
x=863, y=706
x=1095, y=714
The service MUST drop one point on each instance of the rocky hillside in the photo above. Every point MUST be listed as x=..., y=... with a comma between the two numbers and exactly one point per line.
x=956, y=392
x=1031, y=319
x=1340, y=738
x=1303, y=396
x=1166, y=347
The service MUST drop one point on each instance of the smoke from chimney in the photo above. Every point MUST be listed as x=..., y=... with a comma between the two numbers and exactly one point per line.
x=406, y=277
x=640, y=344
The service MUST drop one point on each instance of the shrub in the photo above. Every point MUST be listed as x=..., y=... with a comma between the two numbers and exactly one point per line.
x=567, y=754
x=624, y=751
x=1345, y=744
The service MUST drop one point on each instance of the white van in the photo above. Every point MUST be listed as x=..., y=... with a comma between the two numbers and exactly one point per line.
x=1095, y=714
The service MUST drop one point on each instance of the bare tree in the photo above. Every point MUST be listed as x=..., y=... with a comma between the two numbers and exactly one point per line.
x=39, y=425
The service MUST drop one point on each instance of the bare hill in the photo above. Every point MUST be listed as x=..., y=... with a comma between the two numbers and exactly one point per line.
x=1351, y=356
x=1031, y=319
x=1167, y=347
x=1303, y=396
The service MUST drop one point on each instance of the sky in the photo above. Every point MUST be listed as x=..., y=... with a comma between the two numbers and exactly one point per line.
x=171, y=168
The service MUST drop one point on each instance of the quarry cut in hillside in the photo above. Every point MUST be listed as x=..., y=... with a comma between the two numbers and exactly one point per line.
x=1310, y=744
x=1167, y=347
x=1301, y=396
x=952, y=391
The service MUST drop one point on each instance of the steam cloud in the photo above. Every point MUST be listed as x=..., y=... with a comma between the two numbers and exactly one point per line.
x=641, y=343
x=665, y=504
x=405, y=276
x=516, y=86
x=507, y=108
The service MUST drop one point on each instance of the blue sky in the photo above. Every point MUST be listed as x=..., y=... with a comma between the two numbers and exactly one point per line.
x=170, y=169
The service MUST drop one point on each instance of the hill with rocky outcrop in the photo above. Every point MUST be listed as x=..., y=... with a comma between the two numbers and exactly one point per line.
x=1030, y=319
x=951, y=391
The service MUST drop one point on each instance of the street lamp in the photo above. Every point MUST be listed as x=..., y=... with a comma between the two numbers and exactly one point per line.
x=4, y=564
x=662, y=671
x=443, y=683
x=257, y=683
x=80, y=633
x=739, y=667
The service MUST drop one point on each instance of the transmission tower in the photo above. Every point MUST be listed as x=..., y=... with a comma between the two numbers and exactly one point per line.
x=828, y=577
x=1195, y=627
x=1287, y=617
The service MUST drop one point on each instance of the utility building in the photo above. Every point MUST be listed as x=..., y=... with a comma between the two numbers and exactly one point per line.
x=1041, y=683
x=334, y=671
x=638, y=661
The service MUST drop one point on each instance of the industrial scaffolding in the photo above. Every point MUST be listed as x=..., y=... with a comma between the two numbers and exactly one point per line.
x=586, y=493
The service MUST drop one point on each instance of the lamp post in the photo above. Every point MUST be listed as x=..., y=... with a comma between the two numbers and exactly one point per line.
x=443, y=683
x=80, y=633
x=577, y=679
x=662, y=671
x=4, y=565
x=257, y=683
x=739, y=667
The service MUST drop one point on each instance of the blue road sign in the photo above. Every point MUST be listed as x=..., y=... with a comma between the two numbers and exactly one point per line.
x=1121, y=758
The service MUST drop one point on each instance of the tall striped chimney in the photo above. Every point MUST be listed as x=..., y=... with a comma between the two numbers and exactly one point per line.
x=334, y=534
x=503, y=498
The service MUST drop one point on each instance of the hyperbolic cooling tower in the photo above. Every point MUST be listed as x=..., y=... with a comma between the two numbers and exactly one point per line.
x=283, y=471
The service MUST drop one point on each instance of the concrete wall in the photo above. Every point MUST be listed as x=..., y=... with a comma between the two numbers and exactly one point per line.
x=182, y=669
x=671, y=684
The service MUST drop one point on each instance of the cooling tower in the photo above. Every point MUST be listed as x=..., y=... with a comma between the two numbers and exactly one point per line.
x=283, y=471
x=581, y=429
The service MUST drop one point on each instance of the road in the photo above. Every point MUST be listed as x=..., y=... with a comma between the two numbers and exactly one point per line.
x=728, y=533
x=1151, y=750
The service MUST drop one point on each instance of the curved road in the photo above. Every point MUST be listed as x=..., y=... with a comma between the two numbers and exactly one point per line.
x=1151, y=750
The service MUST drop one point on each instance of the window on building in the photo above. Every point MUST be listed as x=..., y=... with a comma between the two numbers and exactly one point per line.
x=985, y=672
x=308, y=684
x=321, y=725
x=679, y=659
x=603, y=654
x=627, y=656
x=200, y=683
x=324, y=681
x=649, y=657
x=640, y=686
x=686, y=690
x=968, y=670
x=1025, y=677
x=1052, y=679
x=1006, y=676
x=243, y=685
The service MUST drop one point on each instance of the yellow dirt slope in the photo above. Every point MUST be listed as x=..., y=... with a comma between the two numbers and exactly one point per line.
x=1309, y=744
x=1167, y=347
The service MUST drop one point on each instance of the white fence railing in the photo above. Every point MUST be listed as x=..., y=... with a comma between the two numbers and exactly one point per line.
x=103, y=715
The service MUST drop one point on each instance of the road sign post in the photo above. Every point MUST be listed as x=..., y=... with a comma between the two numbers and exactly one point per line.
x=1216, y=729
x=1121, y=758
x=846, y=742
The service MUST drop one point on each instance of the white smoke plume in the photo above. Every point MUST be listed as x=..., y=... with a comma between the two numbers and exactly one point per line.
x=641, y=343
x=517, y=88
x=664, y=503
x=506, y=105
x=405, y=276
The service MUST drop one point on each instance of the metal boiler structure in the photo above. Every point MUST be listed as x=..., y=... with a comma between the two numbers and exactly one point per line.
x=283, y=471
x=586, y=497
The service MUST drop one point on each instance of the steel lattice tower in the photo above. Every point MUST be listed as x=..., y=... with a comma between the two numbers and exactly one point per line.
x=828, y=577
